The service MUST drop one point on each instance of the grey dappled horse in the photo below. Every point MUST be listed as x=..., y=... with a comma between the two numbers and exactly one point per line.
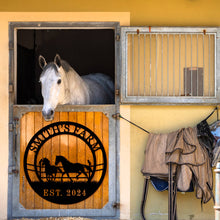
x=61, y=84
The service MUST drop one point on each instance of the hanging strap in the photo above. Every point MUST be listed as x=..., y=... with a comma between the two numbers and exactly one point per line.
x=119, y=115
x=133, y=124
x=145, y=191
x=216, y=108
x=217, y=114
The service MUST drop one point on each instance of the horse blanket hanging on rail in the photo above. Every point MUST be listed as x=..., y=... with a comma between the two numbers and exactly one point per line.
x=191, y=160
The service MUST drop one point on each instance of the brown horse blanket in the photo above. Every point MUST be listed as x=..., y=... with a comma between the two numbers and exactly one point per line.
x=191, y=160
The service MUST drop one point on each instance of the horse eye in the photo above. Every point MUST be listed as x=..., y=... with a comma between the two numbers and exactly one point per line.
x=58, y=81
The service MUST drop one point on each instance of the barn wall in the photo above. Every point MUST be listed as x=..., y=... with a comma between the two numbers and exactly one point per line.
x=153, y=118
x=151, y=12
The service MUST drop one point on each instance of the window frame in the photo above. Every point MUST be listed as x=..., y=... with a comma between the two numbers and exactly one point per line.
x=126, y=99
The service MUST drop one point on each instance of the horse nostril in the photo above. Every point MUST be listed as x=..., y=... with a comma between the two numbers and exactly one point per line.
x=48, y=113
x=51, y=112
x=44, y=113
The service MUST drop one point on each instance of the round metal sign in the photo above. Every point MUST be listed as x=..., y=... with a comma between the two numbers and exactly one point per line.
x=57, y=176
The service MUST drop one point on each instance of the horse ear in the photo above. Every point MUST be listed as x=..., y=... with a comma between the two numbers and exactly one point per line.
x=57, y=60
x=42, y=61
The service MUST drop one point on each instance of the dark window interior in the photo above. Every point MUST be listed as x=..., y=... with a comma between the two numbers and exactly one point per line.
x=86, y=50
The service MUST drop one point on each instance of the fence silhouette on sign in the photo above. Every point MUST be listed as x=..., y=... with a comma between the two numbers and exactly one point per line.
x=64, y=170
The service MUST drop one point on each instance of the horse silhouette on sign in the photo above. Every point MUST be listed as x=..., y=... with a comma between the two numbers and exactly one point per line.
x=77, y=168
x=50, y=170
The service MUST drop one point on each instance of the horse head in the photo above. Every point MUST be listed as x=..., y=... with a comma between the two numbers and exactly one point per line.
x=44, y=161
x=52, y=88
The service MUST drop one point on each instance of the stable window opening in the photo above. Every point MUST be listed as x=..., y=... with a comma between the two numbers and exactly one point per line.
x=86, y=50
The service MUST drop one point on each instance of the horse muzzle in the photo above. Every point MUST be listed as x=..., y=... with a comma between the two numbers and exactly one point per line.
x=48, y=115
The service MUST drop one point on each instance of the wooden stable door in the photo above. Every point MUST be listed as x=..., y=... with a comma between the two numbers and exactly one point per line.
x=64, y=163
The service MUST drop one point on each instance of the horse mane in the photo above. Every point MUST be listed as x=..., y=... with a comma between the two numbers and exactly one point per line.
x=62, y=157
x=66, y=66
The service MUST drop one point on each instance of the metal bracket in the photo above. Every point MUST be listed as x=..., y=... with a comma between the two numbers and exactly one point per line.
x=11, y=45
x=118, y=37
x=116, y=116
x=13, y=170
x=11, y=88
x=116, y=205
x=117, y=92
x=13, y=125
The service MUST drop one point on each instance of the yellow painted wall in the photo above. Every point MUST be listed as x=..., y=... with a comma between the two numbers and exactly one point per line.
x=143, y=12
x=153, y=118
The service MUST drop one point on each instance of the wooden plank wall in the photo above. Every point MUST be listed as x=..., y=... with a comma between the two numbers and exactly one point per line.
x=32, y=122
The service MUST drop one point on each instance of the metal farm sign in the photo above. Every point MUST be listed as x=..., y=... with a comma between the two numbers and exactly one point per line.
x=64, y=163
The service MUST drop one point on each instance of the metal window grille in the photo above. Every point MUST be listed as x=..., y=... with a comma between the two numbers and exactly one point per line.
x=169, y=65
